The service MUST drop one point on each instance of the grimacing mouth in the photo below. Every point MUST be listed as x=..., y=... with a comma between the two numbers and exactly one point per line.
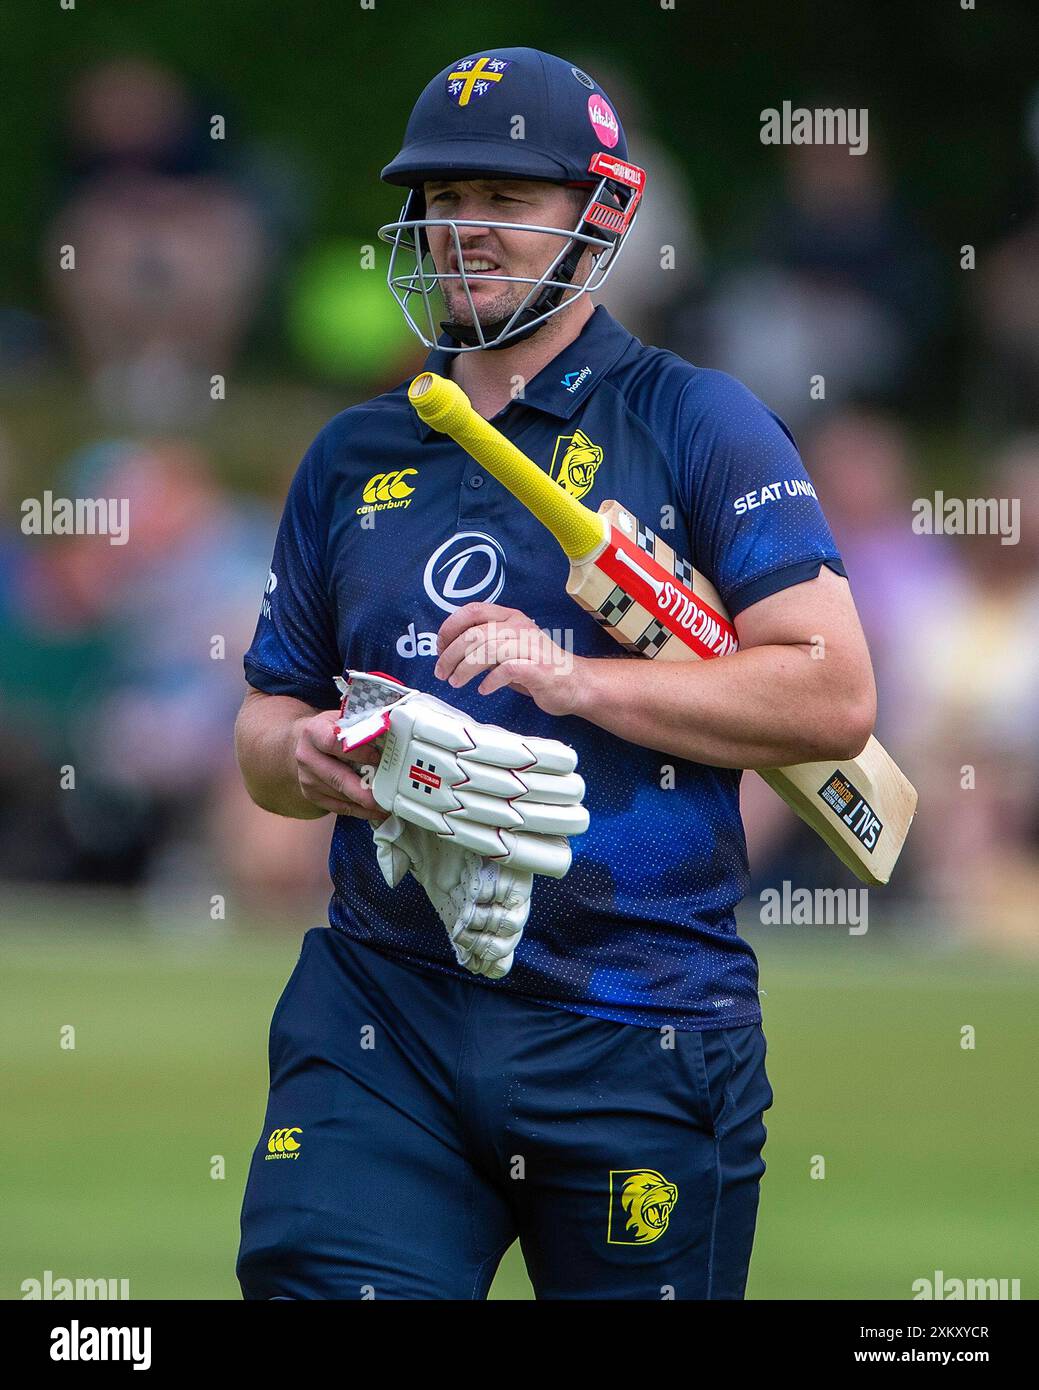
x=493, y=264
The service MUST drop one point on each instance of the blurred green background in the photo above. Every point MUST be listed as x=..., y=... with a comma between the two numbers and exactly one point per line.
x=325, y=80
x=929, y=1149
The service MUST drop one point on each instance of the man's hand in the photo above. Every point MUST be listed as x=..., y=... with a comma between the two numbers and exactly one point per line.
x=518, y=655
x=325, y=772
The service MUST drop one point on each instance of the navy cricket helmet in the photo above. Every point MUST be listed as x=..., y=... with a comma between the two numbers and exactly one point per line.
x=511, y=113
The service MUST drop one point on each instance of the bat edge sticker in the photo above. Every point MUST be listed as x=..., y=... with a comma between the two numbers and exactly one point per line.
x=840, y=795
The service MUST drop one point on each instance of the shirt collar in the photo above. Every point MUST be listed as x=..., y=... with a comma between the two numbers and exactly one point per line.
x=562, y=386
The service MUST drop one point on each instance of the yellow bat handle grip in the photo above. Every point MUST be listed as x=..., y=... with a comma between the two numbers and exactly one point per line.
x=445, y=406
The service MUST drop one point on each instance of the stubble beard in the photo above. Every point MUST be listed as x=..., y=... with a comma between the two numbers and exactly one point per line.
x=501, y=305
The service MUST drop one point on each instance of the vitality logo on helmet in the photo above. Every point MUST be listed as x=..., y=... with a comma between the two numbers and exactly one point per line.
x=604, y=122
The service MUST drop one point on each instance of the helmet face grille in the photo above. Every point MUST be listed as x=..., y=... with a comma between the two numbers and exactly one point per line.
x=417, y=285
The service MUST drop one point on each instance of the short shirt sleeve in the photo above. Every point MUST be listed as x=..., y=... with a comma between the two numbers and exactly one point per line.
x=294, y=649
x=756, y=523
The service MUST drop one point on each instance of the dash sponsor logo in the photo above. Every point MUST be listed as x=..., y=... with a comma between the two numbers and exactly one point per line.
x=468, y=568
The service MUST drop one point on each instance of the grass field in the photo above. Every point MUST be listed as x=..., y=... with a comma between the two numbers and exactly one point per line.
x=929, y=1148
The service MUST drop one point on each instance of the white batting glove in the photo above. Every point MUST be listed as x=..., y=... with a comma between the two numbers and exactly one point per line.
x=483, y=904
x=508, y=798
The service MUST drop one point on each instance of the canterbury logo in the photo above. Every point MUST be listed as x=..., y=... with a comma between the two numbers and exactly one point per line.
x=384, y=490
x=641, y=1203
x=283, y=1144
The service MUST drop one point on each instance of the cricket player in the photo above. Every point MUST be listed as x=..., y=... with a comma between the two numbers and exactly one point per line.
x=598, y=1096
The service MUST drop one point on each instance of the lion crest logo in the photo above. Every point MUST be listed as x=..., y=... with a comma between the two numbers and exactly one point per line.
x=575, y=461
x=641, y=1203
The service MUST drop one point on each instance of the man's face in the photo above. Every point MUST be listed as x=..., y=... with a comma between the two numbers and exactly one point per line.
x=489, y=252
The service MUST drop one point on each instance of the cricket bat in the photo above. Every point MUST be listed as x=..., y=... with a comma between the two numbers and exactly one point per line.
x=656, y=605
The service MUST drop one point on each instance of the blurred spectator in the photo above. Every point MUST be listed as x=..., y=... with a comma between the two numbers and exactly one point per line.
x=641, y=292
x=831, y=279
x=26, y=346
x=170, y=256
x=109, y=661
x=975, y=668
x=125, y=664
x=52, y=651
x=1004, y=374
x=860, y=464
x=276, y=869
x=953, y=626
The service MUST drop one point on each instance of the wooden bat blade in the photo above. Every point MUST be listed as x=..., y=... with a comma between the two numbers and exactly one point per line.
x=657, y=606
x=862, y=807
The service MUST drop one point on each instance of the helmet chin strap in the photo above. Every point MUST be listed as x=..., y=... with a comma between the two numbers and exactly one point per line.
x=466, y=333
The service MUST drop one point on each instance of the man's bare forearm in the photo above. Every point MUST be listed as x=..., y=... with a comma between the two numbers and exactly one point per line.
x=768, y=706
x=265, y=738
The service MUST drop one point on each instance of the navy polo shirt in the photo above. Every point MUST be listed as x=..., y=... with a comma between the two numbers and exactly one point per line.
x=390, y=526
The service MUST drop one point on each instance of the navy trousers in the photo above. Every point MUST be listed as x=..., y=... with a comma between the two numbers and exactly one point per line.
x=418, y=1124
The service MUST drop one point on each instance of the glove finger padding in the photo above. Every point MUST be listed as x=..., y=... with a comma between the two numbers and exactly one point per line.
x=451, y=730
x=549, y=855
x=483, y=905
x=444, y=771
x=486, y=943
x=443, y=789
